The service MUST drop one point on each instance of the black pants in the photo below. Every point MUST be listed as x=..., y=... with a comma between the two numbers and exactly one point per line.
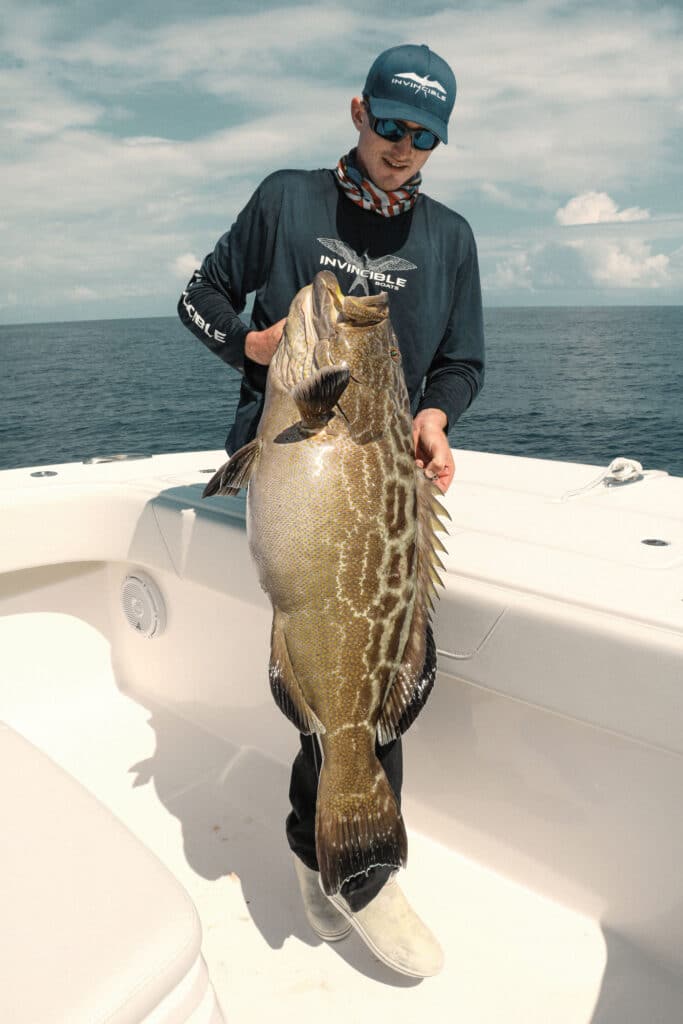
x=303, y=791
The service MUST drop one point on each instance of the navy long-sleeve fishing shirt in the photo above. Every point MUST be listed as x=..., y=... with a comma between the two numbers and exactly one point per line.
x=298, y=223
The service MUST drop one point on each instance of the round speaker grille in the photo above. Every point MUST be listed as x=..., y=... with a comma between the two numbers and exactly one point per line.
x=143, y=605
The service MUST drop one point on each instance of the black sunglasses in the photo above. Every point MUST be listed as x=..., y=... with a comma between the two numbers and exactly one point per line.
x=393, y=131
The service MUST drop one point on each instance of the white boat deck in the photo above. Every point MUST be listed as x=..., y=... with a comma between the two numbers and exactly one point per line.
x=210, y=800
x=213, y=813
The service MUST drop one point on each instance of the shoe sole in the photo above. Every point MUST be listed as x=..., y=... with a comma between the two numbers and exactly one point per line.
x=334, y=936
x=331, y=937
x=371, y=945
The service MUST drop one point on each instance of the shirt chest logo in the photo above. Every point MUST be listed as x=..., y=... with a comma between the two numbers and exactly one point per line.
x=382, y=270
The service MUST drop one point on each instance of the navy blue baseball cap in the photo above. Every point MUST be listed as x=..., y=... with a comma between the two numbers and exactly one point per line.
x=412, y=83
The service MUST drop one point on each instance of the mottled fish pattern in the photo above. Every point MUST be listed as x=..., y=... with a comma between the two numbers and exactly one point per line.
x=342, y=527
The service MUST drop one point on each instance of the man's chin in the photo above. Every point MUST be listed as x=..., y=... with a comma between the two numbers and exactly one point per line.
x=389, y=180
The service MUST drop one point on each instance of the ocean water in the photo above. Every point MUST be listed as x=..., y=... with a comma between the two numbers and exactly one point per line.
x=576, y=384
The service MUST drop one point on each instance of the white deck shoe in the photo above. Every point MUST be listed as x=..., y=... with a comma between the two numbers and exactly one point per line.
x=393, y=931
x=325, y=920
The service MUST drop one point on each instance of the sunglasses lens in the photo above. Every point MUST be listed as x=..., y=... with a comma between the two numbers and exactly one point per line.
x=424, y=139
x=389, y=129
x=394, y=131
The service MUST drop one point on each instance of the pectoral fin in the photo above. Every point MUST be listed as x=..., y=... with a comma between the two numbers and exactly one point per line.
x=317, y=396
x=285, y=687
x=415, y=677
x=235, y=473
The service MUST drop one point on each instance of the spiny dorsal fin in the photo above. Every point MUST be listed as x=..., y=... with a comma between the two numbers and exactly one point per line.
x=236, y=472
x=317, y=395
x=415, y=676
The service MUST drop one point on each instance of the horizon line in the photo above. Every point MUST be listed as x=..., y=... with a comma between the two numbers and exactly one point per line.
x=169, y=316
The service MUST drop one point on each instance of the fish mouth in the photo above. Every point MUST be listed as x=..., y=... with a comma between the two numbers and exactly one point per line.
x=327, y=297
x=315, y=315
x=326, y=303
x=364, y=310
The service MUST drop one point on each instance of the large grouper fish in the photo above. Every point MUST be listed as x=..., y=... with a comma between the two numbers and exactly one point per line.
x=342, y=527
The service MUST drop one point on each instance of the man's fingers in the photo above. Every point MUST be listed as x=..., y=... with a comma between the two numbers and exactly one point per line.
x=275, y=334
x=260, y=346
x=441, y=472
x=432, y=450
x=279, y=327
x=434, y=467
x=442, y=480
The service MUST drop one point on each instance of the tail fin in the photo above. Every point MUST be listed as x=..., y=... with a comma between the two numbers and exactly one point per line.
x=356, y=831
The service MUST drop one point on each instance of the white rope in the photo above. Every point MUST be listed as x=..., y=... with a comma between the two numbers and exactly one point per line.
x=619, y=471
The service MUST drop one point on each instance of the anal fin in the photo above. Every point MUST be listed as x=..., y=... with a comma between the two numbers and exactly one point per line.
x=408, y=694
x=235, y=473
x=284, y=685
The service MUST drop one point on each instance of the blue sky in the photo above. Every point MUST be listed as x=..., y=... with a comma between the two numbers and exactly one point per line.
x=133, y=134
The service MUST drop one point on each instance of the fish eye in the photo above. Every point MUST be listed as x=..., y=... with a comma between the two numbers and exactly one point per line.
x=394, y=353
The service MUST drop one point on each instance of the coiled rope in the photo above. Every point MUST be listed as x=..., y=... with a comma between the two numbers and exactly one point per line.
x=620, y=471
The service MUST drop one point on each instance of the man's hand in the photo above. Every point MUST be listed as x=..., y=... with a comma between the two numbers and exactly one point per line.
x=432, y=450
x=260, y=346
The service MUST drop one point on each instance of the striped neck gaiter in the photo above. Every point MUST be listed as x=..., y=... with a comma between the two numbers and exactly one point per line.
x=365, y=193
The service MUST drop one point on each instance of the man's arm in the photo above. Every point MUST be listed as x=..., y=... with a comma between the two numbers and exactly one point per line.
x=455, y=376
x=216, y=294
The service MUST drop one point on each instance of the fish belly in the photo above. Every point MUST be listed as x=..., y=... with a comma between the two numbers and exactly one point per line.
x=338, y=570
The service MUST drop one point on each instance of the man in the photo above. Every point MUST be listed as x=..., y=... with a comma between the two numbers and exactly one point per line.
x=368, y=222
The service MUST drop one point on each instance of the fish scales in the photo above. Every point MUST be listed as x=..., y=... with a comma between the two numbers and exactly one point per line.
x=341, y=527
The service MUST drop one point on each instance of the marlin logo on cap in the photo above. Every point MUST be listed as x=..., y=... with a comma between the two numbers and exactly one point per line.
x=424, y=84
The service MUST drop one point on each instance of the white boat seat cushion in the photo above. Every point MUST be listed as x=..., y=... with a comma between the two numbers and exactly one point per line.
x=95, y=929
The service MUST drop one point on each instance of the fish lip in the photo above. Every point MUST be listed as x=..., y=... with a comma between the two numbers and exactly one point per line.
x=365, y=310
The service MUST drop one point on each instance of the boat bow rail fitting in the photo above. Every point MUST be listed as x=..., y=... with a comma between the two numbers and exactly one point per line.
x=143, y=605
x=122, y=457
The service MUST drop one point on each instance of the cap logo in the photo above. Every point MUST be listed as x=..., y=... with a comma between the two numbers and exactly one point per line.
x=430, y=87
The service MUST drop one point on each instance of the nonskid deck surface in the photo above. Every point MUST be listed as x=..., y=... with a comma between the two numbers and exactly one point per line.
x=213, y=814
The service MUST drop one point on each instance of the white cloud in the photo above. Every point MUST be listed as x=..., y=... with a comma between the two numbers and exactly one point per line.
x=242, y=50
x=184, y=266
x=33, y=106
x=597, y=208
x=624, y=264
x=535, y=268
x=505, y=196
x=511, y=273
x=587, y=265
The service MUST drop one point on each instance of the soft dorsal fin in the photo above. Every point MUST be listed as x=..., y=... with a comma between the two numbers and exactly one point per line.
x=317, y=395
x=414, y=679
x=235, y=473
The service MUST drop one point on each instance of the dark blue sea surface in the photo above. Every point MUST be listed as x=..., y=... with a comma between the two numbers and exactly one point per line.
x=576, y=384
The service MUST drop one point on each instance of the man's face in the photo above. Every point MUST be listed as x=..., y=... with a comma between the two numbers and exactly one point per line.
x=388, y=164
